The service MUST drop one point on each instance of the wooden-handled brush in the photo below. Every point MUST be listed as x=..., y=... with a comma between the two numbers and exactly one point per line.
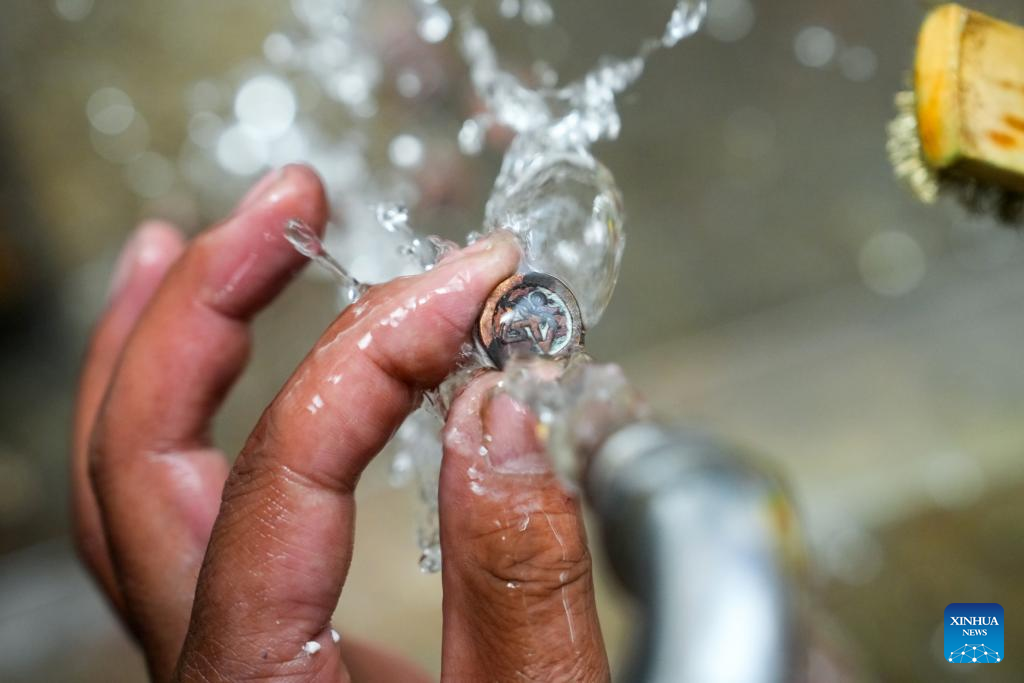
x=962, y=127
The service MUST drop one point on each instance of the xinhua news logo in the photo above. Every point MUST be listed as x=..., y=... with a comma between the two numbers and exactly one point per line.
x=974, y=633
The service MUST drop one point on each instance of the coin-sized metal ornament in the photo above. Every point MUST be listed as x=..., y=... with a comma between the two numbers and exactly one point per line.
x=530, y=314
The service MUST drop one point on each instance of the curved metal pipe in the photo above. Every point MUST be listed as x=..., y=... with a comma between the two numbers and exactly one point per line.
x=698, y=537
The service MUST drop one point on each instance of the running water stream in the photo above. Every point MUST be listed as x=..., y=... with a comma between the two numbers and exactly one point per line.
x=567, y=212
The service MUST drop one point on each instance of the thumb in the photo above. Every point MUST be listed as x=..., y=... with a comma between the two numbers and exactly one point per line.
x=518, y=589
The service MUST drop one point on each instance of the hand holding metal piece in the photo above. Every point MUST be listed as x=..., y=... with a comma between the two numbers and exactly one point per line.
x=204, y=564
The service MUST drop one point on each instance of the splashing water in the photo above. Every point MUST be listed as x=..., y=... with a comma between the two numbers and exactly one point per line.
x=419, y=454
x=395, y=218
x=313, y=99
x=434, y=20
x=307, y=243
x=424, y=252
x=561, y=201
x=687, y=18
x=576, y=409
x=473, y=135
x=577, y=114
x=567, y=211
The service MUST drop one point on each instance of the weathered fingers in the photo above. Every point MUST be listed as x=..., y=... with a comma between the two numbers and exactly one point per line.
x=518, y=589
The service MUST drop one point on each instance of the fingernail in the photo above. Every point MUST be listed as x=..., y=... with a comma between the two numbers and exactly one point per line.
x=510, y=437
x=136, y=250
x=491, y=242
x=257, y=191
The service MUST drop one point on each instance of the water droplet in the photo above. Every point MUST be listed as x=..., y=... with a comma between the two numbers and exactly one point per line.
x=110, y=111
x=537, y=12
x=402, y=469
x=406, y=151
x=408, y=84
x=425, y=253
x=302, y=237
x=892, y=263
x=815, y=46
x=278, y=48
x=430, y=560
x=686, y=19
x=472, y=136
x=508, y=8
x=393, y=217
x=241, y=152
x=858, y=64
x=265, y=105
x=435, y=24
x=730, y=20
x=309, y=244
x=315, y=405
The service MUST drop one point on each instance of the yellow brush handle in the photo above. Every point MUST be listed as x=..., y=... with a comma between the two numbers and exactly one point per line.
x=969, y=86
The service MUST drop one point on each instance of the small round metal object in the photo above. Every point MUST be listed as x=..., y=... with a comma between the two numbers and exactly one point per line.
x=530, y=314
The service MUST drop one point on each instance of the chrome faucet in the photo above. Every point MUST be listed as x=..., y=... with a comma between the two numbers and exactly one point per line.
x=703, y=541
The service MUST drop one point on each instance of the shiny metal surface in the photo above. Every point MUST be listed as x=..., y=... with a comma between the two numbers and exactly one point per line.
x=531, y=314
x=693, y=534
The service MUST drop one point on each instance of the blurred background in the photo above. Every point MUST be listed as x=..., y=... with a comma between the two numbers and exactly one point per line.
x=779, y=288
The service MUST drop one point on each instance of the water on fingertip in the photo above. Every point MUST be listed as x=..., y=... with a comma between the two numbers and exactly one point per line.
x=578, y=404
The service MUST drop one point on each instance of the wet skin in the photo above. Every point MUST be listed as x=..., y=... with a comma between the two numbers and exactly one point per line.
x=226, y=572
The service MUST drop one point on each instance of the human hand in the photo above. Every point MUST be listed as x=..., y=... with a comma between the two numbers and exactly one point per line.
x=228, y=572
